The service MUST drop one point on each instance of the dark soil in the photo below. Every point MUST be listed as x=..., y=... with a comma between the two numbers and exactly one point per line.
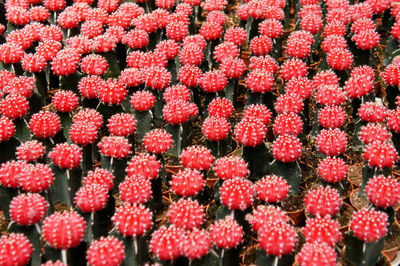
x=358, y=201
x=346, y=213
x=293, y=203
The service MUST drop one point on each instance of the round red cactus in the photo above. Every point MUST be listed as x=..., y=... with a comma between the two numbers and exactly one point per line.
x=66, y=155
x=157, y=141
x=366, y=39
x=270, y=27
x=237, y=193
x=380, y=155
x=99, y=176
x=260, y=81
x=94, y=65
x=391, y=75
x=226, y=233
x=133, y=220
x=33, y=63
x=261, y=45
x=114, y=92
x=393, y=120
x=289, y=103
x=316, y=253
x=330, y=95
x=45, y=124
x=372, y=112
x=374, y=132
x=136, y=39
x=91, y=28
x=89, y=86
x=190, y=75
x=186, y=214
x=326, y=78
x=332, y=170
x=233, y=68
x=197, y=157
x=333, y=41
x=20, y=85
x=369, y=225
x=236, y=35
x=106, y=251
x=339, y=59
x=36, y=178
x=277, y=238
x=11, y=53
x=145, y=165
x=266, y=63
x=187, y=182
x=7, y=129
x=323, y=201
x=196, y=39
x=250, y=131
x=213, y=81
x=258, y=111
x=131, y=77
x=116, y=147
x=91, y=198
x=229, y=167
x=169, y=48
x=312, y=23
x=30, y=151
x=293, y=68
x=322, y=229
x=332, y=142
x=28, y=209
x=89, y=116
x=287, y=148
x=135, y=189
x=65, y=101
x=331, y=117
x=272, y=188
x=191, y=54
x=196, y=244
x=288, y=123
x=15, y=249
x=265, y=214
x=301, y=86
x=166, y=242
x=215, y=128
x=383, y=192
x=358, y=86
x=122, y=124
x=177, y=31
x=11, y=171
x=220, y=107
x=142, y=101
x=177, y=92
x=64, y=230
x=14, y=106
x=177, y=112
x=211, y=30
x=65, y=62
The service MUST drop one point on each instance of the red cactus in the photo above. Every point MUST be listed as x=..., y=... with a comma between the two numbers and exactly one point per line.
x=30, y=151
x=157, y=141
x=166, y=242
x=332, y=142
x=272, y=188
x=332, y=170
x=99, y=176
x=250, y=131
x=66, y=155
x=237, y=193
x=14, y=106
x=106, y=251
x=226, y=233
x=323, y=201
x=374, y=132
x=186, y=214
x=383, y=191
x=277, y=238
x=91, y=198
x=322, y=229
x=187, y=182
x=331, y=117
x=196, y=244
x=289, y=103
x=265, y=214
x=28, y=209
x=220, y=107
x=15, y=249
x=380, y=155
x=132, y=220
x=317, y=253
x=216, y=128
x=369, y=225
x=288, y=123
x=145, y=165
x=135, y=189
x=286, y=148
x=230, y=167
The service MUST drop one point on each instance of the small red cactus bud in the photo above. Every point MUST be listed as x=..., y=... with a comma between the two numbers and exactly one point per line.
x=88, y=86
x=30, y=151
x=339, y=59
x=7, y=129
x=106, y=251
x=330, y=95
x=332, y=170
x=15, y=249
x=236, y=35
x=36, y=178
x=288, y=123
x=11, y=53
x=94, y=65
x=186, y=214
x=135, y=189
x=65, y=101
x=28, y=209
x=380, y=154
x=323, y=201
x=197, y=157
x=196, y=244
x=369, y=225
x=301, y=86
x=289, y=103
x=270, y=27
x=261, y=45
x=66, y=155
x=191, y=54
x=260, y=81
x=14, y=106
x=142, y=100
x=331, y=117
x=250, y=132
x=166, y=242
x=272, y=188
x=372, y=112
x=89, y=116
x=326, y=78
x=157, y=141
x=226, y=233
x=99, y=176
x=293, y=68
x=132, y=220
x=122, y=124
x=145, y=165
x=383, y=191
x=33, y=63
x=220, y=107
x=216, y=128
x=169, y=48
x=177, y=92
x=20, y=85
x=45, y=124
x=211, y=30
x=136, y=39
x=322, y=229
x=333, y=41
x=332, y=142
x=213, y=81
x=177, y=31
x=358, y=85
x=114, y=92
x=237, y=193
x=187, y=182
x=374, y=132
x=231, y=166
x=131, y=77
x=258, y=111
x=64, y=230
x=393, y=120
x=317, y=253
x=277, y=238
x=190, y=75
x=116, y=147
x=11, y=171
x=265, y=214
x=177, y=112
x=91, y=198
x=391, y=75
x=287, y=148
x=233, y=68
x=65, y=62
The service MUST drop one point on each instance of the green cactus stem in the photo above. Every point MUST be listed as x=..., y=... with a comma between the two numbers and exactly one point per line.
x=6, y=195
x=291, y=172
x=231, y=90
x=362, y=253
x=143, y=124
x=158, y=119
x=258, y=159
x=176, y=132
x=41, y=85
x=252, y=27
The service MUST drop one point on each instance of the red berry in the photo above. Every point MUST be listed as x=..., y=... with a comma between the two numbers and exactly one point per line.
x=331, y=117
x=114, y=92
x=332, y=170
x=260, y=81
x=213, y=81
x=374, y=132
x=196, y=157
x=45, y=124
x=323, y=201
x=250, y=131
x=36, y=178
x=277, y=238
x=383, y=192
x=317, y=253
x=322, y=229
x=380, y=154
x=226, y=233
x=186, y=214
x=177, y=112
x=64, y=230
x=99, y=176
x=220, y=107
x=288, y=123
x=116, y=147
x=28, y=209
x=187, y=182
x=215, y=128
x=122, y=124
x=230, y=167
x=272, y=188
x=15, y=249
x=106, y=251
x=91, y=198
x=135, y=189
x=166, y=242
x=332, y=142
x=369, y=225
x=287, y=148
x=190, y=75
x=237, y=193
x=289, y=103
x=89, y=116
x=145, y=165
x=293, y=68
x=265, y=214
x=14, y=106
x=196, y=244
x=142, y=101
x=65, y=101
x=66, y=155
